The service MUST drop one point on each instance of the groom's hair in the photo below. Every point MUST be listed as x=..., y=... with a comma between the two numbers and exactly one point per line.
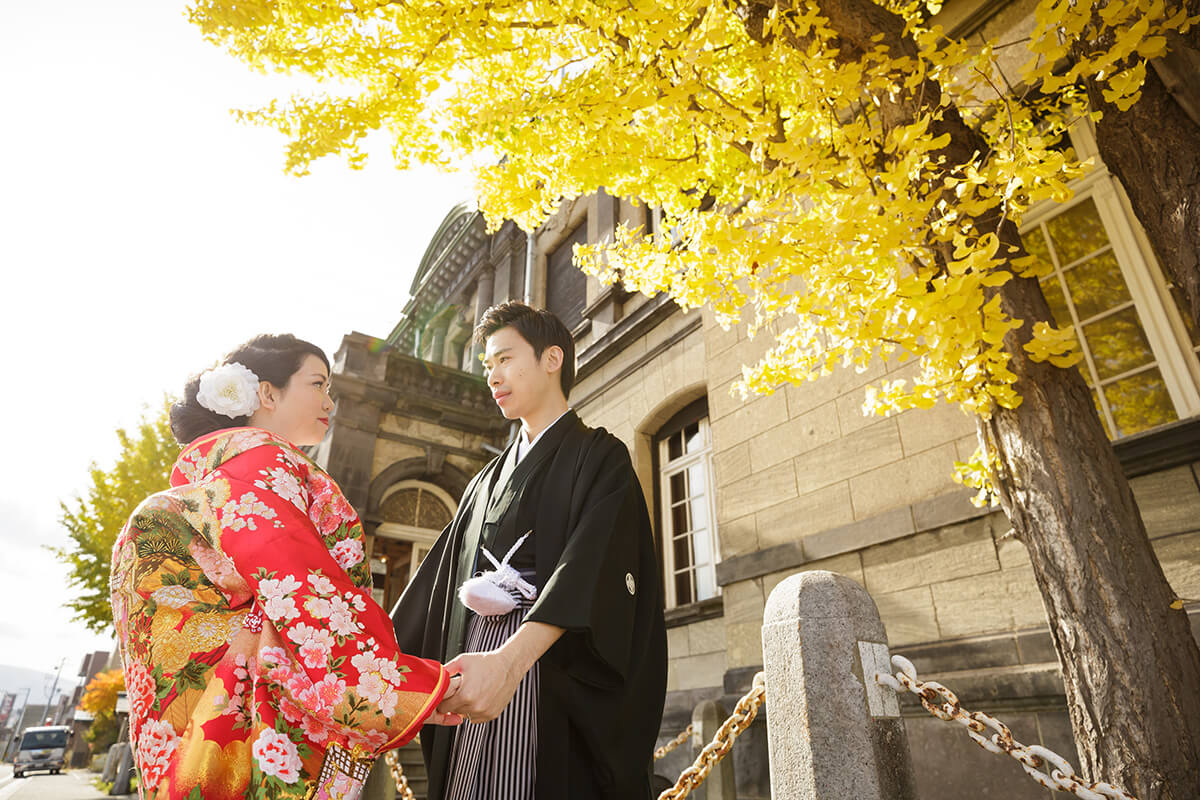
x=539, y=327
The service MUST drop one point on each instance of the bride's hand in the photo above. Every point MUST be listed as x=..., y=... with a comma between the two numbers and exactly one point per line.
x=447, y=718
x=438, y=718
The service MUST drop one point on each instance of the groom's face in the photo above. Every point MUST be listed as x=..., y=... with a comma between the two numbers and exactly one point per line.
x=521, y=382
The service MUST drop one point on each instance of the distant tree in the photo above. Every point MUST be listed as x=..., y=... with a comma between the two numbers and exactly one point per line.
x=100, y=700
x=93, y=521
x=100, y=695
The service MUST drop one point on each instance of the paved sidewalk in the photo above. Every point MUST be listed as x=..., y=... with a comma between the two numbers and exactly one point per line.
x=76, y=784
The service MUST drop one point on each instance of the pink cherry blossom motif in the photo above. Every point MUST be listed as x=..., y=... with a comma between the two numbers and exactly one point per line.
x=387, y=702
x=276, y=755
x=298, y=684
x=320, y=584
x=323, y=696
x=365, y=661
x=318, y=607
x=272, y=656
x=291, y=711
x=347, y=553
x=277, y=604
x=314, y=729
x=155, y=745
x=371, y=686
x=341, y=618
x=314, y=654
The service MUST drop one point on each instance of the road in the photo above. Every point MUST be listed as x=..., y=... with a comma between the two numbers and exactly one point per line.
x=73, y=785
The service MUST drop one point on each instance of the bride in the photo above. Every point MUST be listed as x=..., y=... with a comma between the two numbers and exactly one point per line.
x=256, y=662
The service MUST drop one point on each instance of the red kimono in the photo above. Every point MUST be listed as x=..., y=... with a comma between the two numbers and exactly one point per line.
x=249, y=637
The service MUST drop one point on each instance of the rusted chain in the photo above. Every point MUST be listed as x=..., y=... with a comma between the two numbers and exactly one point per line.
x=403, y=790
x=743, y=714
x=943, y=704
x=671, y=745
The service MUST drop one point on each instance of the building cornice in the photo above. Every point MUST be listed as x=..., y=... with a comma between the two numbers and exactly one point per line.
x=398, y=383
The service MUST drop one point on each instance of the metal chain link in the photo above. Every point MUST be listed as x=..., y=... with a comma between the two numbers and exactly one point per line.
x=743, y=714
x=671, y=745
x=403, y=790
x=943, y=704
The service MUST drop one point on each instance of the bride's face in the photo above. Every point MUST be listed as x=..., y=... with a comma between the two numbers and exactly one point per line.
x=299, y=412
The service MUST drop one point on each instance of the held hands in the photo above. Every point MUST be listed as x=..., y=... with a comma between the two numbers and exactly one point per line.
x=439, y=716
x=488, y=680
x=487, y=683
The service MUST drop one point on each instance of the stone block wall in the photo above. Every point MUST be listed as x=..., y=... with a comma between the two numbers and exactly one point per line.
x=804, y=481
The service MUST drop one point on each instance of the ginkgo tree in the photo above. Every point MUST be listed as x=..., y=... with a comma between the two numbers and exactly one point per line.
x=93, y=519
x=841, y=170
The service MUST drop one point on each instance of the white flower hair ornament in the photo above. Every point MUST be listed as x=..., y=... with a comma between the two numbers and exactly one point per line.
x=230, y=389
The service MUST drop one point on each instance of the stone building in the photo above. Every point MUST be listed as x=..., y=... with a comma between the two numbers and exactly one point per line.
x=745, y=493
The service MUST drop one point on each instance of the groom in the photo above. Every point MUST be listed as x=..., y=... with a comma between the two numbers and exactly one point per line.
x=563, y=695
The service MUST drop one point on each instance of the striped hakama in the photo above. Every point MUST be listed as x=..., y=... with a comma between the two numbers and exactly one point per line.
x=497, y=760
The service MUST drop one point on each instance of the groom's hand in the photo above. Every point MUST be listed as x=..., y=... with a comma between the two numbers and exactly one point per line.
x=490, y=679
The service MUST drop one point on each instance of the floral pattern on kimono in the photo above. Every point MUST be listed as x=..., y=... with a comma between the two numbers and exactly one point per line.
x=249, y=637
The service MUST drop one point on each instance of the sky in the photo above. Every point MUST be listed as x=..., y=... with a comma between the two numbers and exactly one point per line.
x=144, y=233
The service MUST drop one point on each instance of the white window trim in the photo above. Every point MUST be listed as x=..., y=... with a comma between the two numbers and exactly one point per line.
x=1156, y=311
x=665, y=471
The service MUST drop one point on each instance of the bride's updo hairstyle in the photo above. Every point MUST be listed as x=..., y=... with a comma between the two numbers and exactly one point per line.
x=272, y=358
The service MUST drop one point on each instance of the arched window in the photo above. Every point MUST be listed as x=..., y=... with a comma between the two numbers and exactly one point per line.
x=412, y=515
x=685, y=491
x=416, y=505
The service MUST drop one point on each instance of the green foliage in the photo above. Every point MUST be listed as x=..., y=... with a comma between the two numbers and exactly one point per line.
x=94, y=520
x=102, y=733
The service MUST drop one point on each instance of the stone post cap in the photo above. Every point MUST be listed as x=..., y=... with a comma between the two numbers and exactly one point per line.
x=824, y=595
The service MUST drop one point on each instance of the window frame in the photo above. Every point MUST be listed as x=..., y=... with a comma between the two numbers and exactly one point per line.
x=665, y=468
x=422, y=539
x=1171, y=348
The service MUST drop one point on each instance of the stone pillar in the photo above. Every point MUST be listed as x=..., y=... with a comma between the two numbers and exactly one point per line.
x=484, y=289
x=832, y=732
x=437, y=351
x=720, y=784
x=113, y=761
x=349, y=450
x=124, y=770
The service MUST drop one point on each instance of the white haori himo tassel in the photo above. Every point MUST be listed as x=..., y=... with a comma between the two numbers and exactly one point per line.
x=489, y=594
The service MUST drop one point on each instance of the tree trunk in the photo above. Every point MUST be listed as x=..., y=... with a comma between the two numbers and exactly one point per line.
x=1130, y=665
x=1153, y=148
